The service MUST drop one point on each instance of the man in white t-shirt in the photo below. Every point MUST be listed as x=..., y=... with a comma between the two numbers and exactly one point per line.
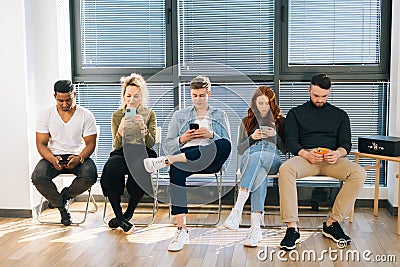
x=65, y=138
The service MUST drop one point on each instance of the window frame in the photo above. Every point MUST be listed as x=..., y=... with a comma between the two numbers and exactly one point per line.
x=113, y=74
x=339, y=72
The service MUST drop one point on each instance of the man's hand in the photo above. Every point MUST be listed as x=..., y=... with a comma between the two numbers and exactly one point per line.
x=187, y=136
x=332, y=156
x=203, y=133
x=73, y=161
x=193, y=134
x=56, y=163
x=311, y=156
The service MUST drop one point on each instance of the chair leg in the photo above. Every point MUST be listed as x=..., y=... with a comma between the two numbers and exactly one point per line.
x=218, y=179
x=85, y=211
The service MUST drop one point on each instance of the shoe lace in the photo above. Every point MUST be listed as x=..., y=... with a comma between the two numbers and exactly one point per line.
x=176, y=237
x=233, y=216
x=252, y=233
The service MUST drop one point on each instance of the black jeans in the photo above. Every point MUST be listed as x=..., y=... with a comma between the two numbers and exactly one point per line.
x=44, y=173
x=201, y=159
x=127, y=161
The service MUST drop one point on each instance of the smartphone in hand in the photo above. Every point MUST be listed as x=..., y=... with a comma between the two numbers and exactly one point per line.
x=130, y=113
x=321, y=150
x=264, y=128
x=64, y=159
x=194, y=126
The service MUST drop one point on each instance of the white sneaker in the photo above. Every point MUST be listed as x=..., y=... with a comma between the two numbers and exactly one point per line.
x=233, y=220
x=180, y=239
x=253, y=237
x=153, y=164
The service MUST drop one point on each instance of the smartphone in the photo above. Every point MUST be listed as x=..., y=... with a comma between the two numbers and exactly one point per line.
x=130, y=113
x=64, y=159
x=321, y=150
x=194, y=126
x=264, y=128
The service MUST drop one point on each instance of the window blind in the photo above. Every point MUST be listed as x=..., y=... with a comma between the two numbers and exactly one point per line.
x=365, y=103
x=337, y=32
x=235, y=33
x=120, y=33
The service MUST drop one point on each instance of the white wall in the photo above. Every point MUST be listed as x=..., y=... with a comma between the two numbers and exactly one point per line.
x=14, y=158
x=394, y=123
x=35, y=54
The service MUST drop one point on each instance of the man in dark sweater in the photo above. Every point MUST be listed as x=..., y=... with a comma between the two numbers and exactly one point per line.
x=318, y=135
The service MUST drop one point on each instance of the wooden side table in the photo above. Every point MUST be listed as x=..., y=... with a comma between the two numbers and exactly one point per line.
x=377, y=168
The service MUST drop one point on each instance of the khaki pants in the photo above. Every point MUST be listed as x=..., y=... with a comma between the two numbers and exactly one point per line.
x=297, y=167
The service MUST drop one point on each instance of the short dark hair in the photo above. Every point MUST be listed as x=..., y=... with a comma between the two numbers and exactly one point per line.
x=63, y=86
x=321, y=80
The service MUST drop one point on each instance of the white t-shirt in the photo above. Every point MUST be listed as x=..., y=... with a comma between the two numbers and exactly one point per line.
x=206, y=123
x=67, y=138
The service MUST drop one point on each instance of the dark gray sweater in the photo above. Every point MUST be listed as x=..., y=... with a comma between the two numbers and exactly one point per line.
x=308, y=126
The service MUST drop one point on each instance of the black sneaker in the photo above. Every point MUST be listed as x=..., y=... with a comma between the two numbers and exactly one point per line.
x=127, y=227
x=335, y=232
x=292, y=237
x=128, y=215
x=65, y=216
x=114, y=223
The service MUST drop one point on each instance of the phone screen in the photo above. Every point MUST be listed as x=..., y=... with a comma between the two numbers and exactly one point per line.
x=194, y=126
x=63, y=160
x=130, y=112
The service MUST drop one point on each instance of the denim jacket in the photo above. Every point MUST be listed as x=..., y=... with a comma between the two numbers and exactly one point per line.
x=180, y=124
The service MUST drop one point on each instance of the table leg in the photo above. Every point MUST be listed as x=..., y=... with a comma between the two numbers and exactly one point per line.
x=398, y=203
x=377, y=178
x=351, y=215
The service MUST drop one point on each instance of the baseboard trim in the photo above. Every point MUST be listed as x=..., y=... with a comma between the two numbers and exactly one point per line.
x=15, y=213
x=394, y=211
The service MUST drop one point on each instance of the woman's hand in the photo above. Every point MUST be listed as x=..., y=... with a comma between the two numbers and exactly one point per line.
x=140, y=121
x=268, y=132
x=124, y=123
x=257, y=135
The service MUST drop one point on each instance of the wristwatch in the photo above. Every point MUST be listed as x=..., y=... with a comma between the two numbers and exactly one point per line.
x=81, y=159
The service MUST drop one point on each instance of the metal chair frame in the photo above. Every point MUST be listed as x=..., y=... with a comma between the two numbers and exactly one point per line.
x=195, y=210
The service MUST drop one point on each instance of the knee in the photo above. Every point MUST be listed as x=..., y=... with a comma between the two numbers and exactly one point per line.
x=89, y=171
x=360, y=174
x=224, y=145
x=39, y=174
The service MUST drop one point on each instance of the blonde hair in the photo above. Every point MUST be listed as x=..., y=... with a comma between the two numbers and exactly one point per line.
x=134, y=80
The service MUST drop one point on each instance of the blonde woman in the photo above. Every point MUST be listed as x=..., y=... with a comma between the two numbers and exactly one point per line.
x=133, y=131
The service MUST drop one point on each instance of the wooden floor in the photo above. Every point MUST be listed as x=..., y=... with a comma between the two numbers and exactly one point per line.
x=25, y=242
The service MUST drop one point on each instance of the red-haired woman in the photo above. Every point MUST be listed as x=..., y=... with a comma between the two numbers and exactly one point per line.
x=260, y=137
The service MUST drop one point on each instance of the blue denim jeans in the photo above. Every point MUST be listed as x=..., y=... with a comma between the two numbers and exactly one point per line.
x=257, y=162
